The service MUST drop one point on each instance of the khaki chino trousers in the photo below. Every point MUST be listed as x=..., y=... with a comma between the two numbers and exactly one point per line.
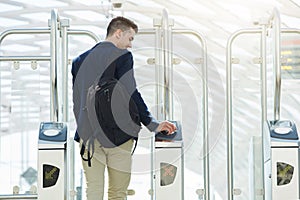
x=118, y=163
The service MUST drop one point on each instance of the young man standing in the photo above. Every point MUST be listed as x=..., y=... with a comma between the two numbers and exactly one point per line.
x=85, y=69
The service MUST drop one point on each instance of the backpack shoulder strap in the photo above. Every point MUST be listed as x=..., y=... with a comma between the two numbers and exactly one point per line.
x=90, y=150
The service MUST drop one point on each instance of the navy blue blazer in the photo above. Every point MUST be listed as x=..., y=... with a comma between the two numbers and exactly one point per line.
x=90, y=65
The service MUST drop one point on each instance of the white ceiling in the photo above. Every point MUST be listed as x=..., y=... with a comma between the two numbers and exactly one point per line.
x=215, y=19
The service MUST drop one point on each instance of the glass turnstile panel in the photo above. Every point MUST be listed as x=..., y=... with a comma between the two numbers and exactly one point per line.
x=188, y=94
x=246, y=112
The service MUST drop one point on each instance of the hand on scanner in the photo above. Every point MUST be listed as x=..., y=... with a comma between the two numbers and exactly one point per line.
x=166, y=128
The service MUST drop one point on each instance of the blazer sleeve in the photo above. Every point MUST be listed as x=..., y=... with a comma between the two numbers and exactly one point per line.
x=125, y=73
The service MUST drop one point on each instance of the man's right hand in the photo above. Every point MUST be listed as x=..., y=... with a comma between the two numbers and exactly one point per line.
x=166, y=126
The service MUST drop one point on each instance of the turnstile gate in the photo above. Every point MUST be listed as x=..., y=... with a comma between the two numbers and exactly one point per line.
x=52, y=158
x=169, y=180
x=281, y=160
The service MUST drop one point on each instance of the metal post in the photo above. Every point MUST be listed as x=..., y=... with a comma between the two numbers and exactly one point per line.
x=263, y=76
x=167, y=66
x=54, y=114
x=71, y=191
x=70, y=186
x=229, y=119
x=263, y=79
x=205, y=122
x=159, y=106
x=158, y=70
x=275, y=20
x=65, y=110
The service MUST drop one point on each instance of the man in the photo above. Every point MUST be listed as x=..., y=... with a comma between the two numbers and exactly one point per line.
x=85, y=69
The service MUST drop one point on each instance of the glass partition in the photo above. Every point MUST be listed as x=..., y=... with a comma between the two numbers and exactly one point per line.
x=246, y=123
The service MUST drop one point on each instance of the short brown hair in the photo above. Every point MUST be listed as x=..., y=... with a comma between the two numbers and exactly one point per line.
x=120, y=23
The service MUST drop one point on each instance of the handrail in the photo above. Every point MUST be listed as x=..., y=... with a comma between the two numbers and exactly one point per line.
x=6, y=33
x=290, y=30
x=23, y=31
x=83, y=32
x=19, y=196
x=24, y=58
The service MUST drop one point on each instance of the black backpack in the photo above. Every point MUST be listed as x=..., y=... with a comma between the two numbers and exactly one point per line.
x=110, y=105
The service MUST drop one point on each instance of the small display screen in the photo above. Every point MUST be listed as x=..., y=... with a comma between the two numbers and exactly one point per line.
x=47, y=126
x=283, y=124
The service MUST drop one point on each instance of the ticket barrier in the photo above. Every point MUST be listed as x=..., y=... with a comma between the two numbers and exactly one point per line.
x=52, y=166
x=281, y=160
x=169, y=181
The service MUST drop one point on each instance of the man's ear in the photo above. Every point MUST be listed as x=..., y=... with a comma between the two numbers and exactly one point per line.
x=118, y=33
